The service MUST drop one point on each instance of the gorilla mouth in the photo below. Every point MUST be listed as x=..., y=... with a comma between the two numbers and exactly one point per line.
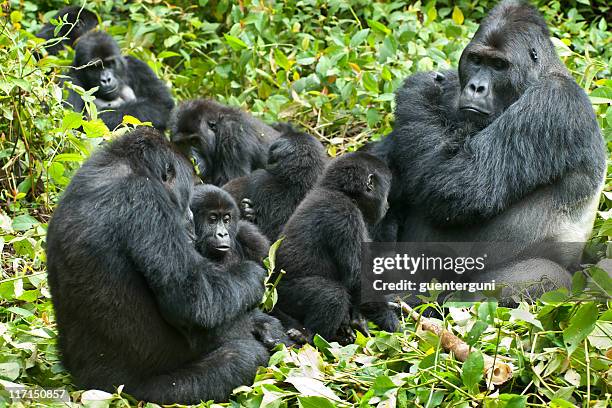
x=474, y=109
x=222, y=248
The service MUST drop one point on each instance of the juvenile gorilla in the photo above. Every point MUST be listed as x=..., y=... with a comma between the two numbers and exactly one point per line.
x=226, y=241
x=74, y=20
x=127, y=86
x=321, y=291
x=135, y=302
x=506, y=149
x=269, y=196
x=225, y=142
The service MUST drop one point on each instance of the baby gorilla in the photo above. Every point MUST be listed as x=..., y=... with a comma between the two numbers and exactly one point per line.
x=321, y=253
x=269, y=196
x=226, y=241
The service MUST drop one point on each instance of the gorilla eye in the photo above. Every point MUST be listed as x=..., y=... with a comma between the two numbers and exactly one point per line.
x=499, y=64
x=534, y=54
x=475, y=59
x=370, y=183
x=227, y=219
x=212, y=219
x=212, y=125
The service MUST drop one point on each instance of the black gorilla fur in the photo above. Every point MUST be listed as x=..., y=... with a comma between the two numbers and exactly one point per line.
x=225, y=142
x=74, y=20
x=135, y=302
x=269, y=196
x=127, y=86
x=225, y=240
x=505, y=149
x=321, y=252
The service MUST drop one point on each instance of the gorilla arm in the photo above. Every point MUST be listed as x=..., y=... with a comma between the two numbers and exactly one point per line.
x=548, y=134
x=252, y=242
x=189, y=290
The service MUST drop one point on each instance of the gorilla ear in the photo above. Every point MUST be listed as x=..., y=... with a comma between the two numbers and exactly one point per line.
x=370, y=183
x=168, y=173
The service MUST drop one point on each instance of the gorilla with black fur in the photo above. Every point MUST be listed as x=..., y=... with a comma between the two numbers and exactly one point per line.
x=226, y=240
x=135, y=302
x=126, y=85
x=74, y=21
x=321, y=253
x=225, y=142
x=506, y=149
x=269, y=196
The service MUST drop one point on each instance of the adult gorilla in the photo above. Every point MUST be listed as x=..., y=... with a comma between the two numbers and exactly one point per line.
x=74, y=21
x=508, y=149
x=136, y=304
x=127, y=86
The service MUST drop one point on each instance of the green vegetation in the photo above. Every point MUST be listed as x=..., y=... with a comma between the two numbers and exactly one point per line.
x=332, y=67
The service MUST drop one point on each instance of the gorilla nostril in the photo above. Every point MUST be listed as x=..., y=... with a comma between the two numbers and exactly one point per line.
x=481, y=89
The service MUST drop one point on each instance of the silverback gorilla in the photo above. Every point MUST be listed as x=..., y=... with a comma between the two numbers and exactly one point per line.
x=505, y=149
x=126, y=85
x=136, y=304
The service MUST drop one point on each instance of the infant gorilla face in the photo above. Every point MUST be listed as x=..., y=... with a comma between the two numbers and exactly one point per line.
x=215, y=216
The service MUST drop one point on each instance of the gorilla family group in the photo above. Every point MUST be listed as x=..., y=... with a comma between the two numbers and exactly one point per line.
x=156, y=280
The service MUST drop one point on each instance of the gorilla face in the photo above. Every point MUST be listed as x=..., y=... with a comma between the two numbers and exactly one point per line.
x=216, y=218
x=103, y=65
x=486, y=83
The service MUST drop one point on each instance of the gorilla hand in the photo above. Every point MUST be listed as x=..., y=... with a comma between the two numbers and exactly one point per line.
x=247, y=211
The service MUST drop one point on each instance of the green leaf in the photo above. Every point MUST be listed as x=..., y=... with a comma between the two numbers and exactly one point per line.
x=511, y=401
x=314, y=402
x=457, y=16
x=524, y=315
x=472, y=370
x=382, y=384
x=477, y=329
x=359, y=37
x=72, y=120
x=9, y=370
x=16, y=16
x=235, y=42
x=95, y=128
x=601, y=280
x=369, y=82
x=281, y=59
x=24, y=222
x=487, y=310
x=310, y=387
x=580, y=326
x=561, y=403
x=378, y=26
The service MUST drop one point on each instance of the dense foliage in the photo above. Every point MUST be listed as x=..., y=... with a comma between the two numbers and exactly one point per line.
x=332, y=67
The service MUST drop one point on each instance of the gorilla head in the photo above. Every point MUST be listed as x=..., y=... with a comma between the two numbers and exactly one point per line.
x=99, y=63
x=74, y=21
x=365, y=179
x=295, y=155
x=216, y=218
x=510, y=50
x=224, y=141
